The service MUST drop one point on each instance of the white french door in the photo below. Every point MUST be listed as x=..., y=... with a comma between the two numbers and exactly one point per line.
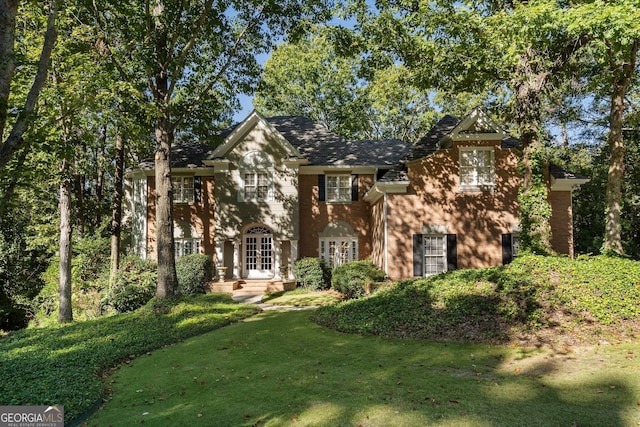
x=258, y=253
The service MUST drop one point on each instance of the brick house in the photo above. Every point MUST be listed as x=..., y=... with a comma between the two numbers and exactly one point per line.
x=279, y=189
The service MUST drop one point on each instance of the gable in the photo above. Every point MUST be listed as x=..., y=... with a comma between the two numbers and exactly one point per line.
x=255, y=133
x=476, y=126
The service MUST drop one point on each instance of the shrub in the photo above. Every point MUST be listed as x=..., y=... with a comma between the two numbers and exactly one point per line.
x=351, y=278
x=194, y=272
x=135, y=284
x=312, y=273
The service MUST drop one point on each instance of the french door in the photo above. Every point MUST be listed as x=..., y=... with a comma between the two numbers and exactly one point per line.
x=258, y=253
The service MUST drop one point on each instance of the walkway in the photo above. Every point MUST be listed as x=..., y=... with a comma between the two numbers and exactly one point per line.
x=257, y=299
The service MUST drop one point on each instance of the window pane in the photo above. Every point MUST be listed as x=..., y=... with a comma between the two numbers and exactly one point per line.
x=434, y=255
x=338, y=188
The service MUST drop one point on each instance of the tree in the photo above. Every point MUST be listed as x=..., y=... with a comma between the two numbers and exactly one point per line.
x=8, y=14
x=519, y=47
x=615, y=28
x=317, y=78
x=194, y=56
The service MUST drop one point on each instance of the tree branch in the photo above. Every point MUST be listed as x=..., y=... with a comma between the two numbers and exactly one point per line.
x=15, y=140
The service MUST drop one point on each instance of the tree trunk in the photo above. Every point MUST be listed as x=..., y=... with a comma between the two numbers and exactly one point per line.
x=14, y=140
x=535, y=210
x=116, y=212
x=8, y=13
x=167, y=278
x=622, y=75
x=65, y=313
x=100, y=177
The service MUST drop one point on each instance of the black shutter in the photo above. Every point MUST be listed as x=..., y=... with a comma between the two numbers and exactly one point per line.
x=321, y=189
x=507, y=249
x=354, y=188
x=452, y=252
x=197, y=189
x=418, y=255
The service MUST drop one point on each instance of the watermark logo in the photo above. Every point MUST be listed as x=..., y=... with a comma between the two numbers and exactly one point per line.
x=31, y=416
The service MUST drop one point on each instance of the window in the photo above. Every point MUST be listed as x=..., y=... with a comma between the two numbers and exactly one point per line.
x=256, y=186
x=336, y=251
x=255, y=174
x=186, y=246
x=338, y=188
x=476, y=168
x=182, y=189
x=435, y=254
x=515, y=245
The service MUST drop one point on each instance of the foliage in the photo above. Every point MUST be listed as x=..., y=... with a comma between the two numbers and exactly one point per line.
x=134, y=285
x=194, y=272
x=488, y=304
x=312, y=273
x=313, y=77
x=351, y=278
x=63, y=364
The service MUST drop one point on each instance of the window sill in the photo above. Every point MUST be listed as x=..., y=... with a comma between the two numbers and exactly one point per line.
x=488, y=188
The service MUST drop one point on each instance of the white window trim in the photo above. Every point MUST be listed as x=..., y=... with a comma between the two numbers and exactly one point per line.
x=253, y=164
x=515, y=245
x=183, y=195
x=256, y=174
x=428, y=256
x=477, y=186
x=325, y=245
x=181, y=245
x=336, y=196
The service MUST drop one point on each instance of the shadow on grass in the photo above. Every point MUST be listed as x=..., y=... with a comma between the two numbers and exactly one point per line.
x=62, y=365
x=280, y=369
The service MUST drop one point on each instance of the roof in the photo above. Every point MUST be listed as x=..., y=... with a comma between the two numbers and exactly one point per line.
x=183, y=155
x=314, y=141
x=559, y=173
x=324, y=148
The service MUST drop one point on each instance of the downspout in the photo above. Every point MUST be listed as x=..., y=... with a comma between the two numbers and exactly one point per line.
x=386, y=230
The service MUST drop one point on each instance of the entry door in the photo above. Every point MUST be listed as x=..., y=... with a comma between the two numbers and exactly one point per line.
x=258, y=253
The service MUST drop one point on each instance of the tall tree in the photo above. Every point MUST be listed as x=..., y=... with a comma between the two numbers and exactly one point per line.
x=194, y=56
x=317, y=78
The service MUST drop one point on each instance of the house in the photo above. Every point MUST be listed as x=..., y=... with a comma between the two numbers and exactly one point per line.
x=279, y=189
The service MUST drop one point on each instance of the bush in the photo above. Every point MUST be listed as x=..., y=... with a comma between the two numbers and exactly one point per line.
x=351, y=278
x=135, y=284
x=194, y=272
x=312, y=273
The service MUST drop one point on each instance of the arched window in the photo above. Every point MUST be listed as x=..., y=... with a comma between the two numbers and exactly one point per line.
x=256, y=176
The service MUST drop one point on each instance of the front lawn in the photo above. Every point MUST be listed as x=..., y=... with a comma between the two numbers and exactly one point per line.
x=62, y=365
x=280, y=369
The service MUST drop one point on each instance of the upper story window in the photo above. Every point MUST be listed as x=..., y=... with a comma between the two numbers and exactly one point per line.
x=477, y=168
x=338, y=188
x=183, y=190
x=256, y=172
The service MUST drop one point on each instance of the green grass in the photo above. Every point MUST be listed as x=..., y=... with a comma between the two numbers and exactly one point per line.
x=62, y=365
x=279, y=368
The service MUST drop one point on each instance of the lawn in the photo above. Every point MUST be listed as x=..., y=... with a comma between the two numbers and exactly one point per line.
x=279, y=368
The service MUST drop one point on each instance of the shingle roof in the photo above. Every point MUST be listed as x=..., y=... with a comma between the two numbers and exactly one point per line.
x=324, y=148
x=183, y=155
x=559, y=173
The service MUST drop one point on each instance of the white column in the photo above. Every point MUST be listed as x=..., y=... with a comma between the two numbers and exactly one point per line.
x=277, y=252
x=220, y=253
x=236, y=259
x=294, y=255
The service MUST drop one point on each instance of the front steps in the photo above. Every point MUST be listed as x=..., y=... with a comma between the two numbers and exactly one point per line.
x=252, y=287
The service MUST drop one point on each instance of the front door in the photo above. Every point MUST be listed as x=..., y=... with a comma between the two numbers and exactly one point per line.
x=258, y=253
